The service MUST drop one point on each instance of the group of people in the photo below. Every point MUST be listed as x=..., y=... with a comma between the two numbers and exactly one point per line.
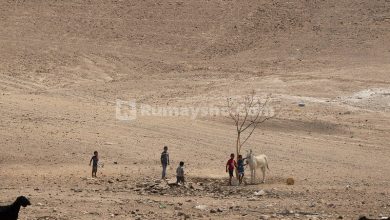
x=165, y=162
x=231, y=166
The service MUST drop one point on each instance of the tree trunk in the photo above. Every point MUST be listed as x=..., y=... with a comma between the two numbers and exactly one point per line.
x=237, y=151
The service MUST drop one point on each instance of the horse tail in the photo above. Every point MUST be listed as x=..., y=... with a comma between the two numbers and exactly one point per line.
x=266, y=162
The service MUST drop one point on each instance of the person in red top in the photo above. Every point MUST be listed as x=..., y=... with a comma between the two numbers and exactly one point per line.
x=230, y=166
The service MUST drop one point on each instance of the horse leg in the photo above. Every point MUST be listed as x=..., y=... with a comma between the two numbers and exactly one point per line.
x=254, y=175
x=263, y=170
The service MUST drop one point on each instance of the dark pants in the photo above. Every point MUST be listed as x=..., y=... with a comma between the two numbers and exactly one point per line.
x=231, y=173
x=179, y=179
x=164, y=171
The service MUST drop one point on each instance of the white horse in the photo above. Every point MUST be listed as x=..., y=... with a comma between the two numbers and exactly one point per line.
x=255, y=162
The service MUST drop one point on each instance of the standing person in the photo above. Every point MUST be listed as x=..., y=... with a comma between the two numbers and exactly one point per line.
x=95, y=160
x=164, y=161
x=240, y=168
x=230, y=165
x=180, y=173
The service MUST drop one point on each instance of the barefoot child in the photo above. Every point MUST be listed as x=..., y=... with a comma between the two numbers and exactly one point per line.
x=180, y=173
x=230, y=165
x=95, y=160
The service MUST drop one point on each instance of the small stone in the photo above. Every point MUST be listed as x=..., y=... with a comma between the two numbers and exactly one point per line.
x=178, y=208
x=264, y=217
x=201, y=207
x=259, y=193
x=213, y=211
x=290, y=181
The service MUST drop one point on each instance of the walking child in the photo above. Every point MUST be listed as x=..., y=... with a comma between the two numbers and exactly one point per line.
x=95, y=160
x=180, y=173
x=230, y=166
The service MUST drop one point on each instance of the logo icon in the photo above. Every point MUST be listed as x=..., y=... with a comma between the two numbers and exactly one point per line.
x=126, y=110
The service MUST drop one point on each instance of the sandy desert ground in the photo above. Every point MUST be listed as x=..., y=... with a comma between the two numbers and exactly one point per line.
x=63, y=65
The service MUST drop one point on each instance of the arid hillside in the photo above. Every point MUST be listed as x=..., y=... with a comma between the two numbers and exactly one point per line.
x=53, y=43
x=64, y=65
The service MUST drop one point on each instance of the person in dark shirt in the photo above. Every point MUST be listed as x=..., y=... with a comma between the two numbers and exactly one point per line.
x=95, y=160
x=240, y=168
x=180, y=173
x=164, y=161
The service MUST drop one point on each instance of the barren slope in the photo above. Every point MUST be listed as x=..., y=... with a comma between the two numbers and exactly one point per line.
x=63, y=64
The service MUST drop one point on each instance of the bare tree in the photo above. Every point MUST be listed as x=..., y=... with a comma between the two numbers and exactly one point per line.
x=247, y=115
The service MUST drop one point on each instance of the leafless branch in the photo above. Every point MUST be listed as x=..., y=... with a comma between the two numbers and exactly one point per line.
x=245, y=121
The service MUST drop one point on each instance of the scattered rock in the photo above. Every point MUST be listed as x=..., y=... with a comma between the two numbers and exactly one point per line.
x=186, y=216
x=264, y=217
x=77, y=190
x=259, y=193
x=290, y=181
x=180, y=214
x=201, y=207
x=178, y=208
